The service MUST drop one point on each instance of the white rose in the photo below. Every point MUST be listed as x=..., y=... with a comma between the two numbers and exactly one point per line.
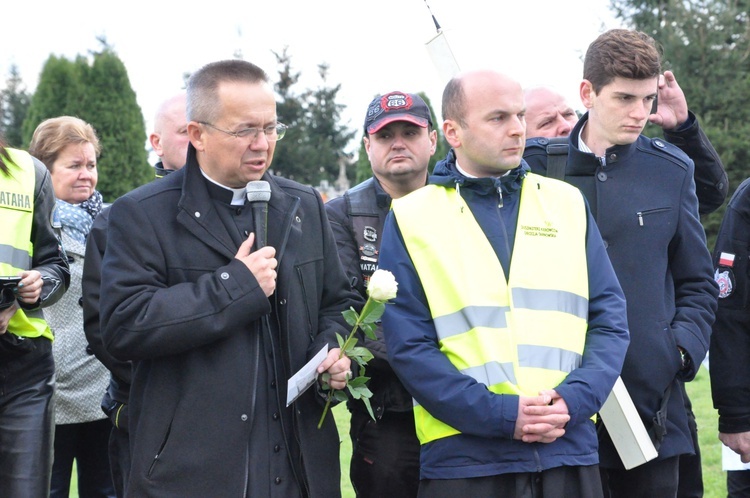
x=382, y=286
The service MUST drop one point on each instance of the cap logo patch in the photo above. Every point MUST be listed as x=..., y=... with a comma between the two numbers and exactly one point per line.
x=395, y=102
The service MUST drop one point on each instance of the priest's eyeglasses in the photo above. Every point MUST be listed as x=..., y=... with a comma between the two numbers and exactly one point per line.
x=273, y=133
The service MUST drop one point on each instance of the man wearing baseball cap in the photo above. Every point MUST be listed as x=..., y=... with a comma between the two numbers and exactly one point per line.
x=399, y=140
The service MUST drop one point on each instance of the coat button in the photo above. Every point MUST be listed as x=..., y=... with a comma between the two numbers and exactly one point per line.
x=276, y=415
x=243, y=417
x=277, y=480
x=282, y=301
x=612, y=157
x=273, y=383
x=276, y=448
x=197, y=214
x=225, y=276
x=601, y=176
x=297, y=219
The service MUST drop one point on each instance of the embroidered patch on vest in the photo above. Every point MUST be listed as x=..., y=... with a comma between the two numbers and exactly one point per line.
x=725, y=279
x=370, y=234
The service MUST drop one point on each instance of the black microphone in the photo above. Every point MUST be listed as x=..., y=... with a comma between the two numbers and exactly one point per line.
x=258, y=194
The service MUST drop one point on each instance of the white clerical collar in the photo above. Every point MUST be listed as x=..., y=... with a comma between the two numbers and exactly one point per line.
x=238, y=194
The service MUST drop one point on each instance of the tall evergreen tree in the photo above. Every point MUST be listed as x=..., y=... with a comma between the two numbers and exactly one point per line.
x=57, y=93
x=316, y=141
x=291, y=153
x=14, y=105
x=328, y=136
x=707, y=45
x=97, y=89
x=110, y=105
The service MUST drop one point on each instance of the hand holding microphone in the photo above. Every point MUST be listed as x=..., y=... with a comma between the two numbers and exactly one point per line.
x=261, y=262
x=258, y=194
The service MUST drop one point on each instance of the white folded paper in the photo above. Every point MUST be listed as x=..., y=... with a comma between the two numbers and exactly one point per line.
x=305, y=376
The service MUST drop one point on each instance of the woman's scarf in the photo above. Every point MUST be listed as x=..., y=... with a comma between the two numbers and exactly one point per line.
x=77, y=219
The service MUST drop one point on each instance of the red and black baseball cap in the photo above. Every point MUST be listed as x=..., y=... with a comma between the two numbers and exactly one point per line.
x=396, y=106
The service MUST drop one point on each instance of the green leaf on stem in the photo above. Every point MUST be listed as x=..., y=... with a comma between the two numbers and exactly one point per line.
x=350, y=316
x=375, y=312
x=369, y=330
x=325, y=378
x=358, y=381
x=360, y=354
x=366, y=401
x=340, y=340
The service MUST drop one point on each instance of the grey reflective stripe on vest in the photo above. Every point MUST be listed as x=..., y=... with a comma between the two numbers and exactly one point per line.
x=529, y=356
x=15, y=257
x=34, y=314
x=489, y=374
x=552, y=300
x=548, y=358
x=494, y=316
x=492, y=373
x=468, y=318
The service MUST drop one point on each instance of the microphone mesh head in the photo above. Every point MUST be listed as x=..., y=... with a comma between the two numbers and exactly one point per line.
x=258, y=191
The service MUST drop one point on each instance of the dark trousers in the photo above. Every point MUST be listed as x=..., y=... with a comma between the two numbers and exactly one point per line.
x=385, y=456
x=691, y=472
x=119, y=459
x=657, y=479
x=118, y=443
x=560, y=482
x=27, y=384
x=86, y=443
x=738, y=484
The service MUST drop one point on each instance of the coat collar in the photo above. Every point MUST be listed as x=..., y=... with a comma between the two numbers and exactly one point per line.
x=586, y=163
x=198, y=215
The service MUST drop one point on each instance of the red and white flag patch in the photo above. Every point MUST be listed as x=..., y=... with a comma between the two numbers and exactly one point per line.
x=726, y=259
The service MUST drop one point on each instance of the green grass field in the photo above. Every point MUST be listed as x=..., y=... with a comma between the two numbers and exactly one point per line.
x=714, y=479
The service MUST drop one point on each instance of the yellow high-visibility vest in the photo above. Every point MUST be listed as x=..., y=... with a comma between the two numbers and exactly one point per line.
x=16, y=248
x=517, y=335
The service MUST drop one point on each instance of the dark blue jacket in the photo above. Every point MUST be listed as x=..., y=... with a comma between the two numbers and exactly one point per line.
x=730, y=342
x=487, y=421
x=645, y=205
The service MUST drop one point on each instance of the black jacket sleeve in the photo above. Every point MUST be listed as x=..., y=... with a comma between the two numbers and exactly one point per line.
x=92, y=270
x=711, y=182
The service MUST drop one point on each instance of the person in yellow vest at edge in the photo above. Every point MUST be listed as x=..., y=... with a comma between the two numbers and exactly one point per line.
x=509, y=328
x=30, y=249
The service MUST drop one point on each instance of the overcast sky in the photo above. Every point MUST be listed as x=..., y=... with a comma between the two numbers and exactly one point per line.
x=371, y=47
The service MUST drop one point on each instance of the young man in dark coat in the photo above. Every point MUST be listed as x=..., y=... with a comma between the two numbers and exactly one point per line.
x=642, y=194
x=214, y=324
